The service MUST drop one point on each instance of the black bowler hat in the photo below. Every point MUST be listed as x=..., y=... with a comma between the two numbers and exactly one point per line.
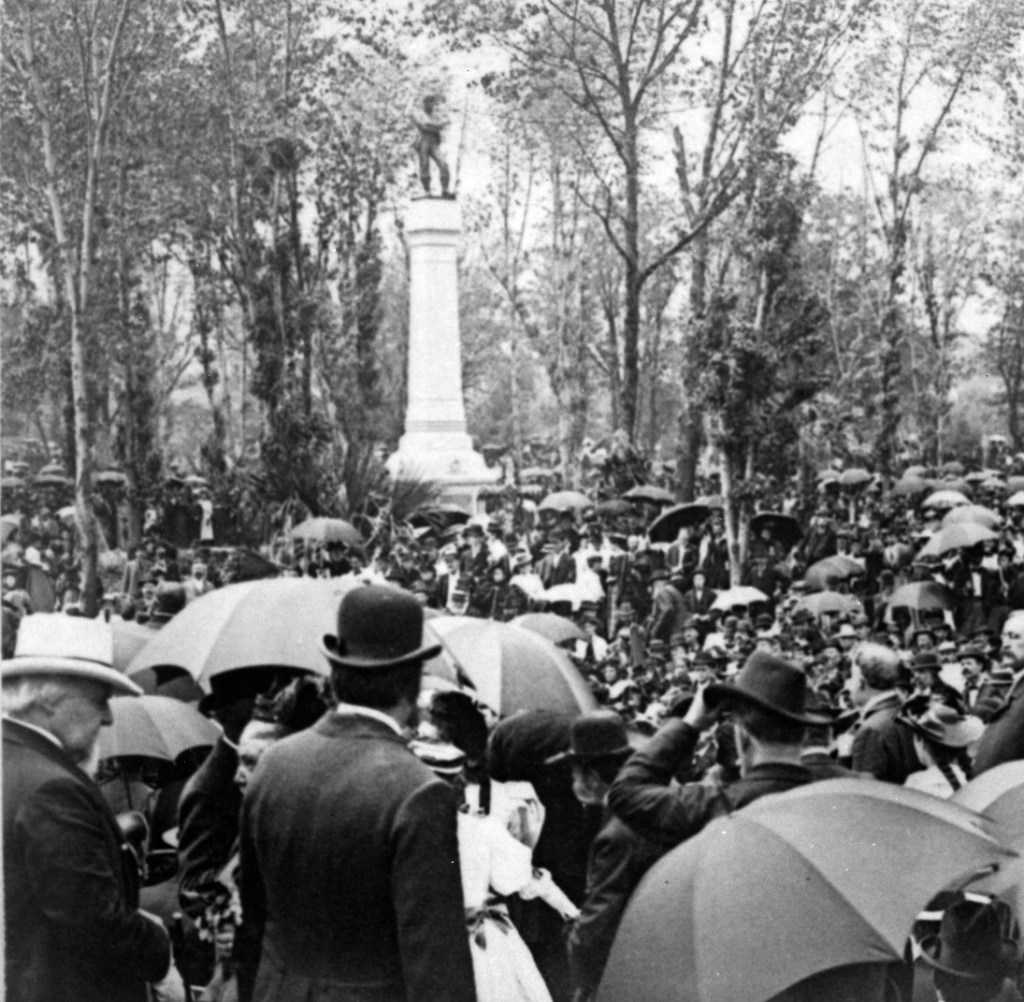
x=600, y=734
x=378, y=627
x=770, y=683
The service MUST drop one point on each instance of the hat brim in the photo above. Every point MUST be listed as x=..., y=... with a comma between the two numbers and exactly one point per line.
x=929, y=951
x=330, y=650
x=73, y=668
x=717, y=693
x=570, y=756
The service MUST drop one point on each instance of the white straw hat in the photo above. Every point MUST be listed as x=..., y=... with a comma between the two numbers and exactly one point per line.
x=51, y=643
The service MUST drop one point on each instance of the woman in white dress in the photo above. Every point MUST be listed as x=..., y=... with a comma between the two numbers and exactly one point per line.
x=496, y=863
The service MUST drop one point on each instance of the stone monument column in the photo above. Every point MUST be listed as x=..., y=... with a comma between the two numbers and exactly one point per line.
x=435, y=445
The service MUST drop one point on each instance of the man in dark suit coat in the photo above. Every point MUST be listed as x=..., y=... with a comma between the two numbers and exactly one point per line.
x=350, y=881
x=1003, y=740
x=881, y=746
x=559, y=567
x=72, y=926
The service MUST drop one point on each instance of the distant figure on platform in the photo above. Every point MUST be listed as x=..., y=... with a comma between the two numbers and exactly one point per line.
x=430, y=124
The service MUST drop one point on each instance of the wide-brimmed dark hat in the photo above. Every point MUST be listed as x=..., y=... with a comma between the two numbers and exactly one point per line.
x=926, y=661
x=978, y=943
x=600, y=734
x=771, y=683
x=378, y=627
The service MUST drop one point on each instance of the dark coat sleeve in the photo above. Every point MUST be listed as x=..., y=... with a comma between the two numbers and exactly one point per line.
x=617, y=863
x=208, y=814
x=427, y=892
x=642, y=795
x=69, y=864
x=1003, y=740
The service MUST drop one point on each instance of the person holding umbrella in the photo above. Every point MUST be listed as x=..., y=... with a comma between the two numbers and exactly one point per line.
x=767, y=704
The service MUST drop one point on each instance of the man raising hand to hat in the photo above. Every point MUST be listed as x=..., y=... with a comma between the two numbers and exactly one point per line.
x=349, y=856
x=767, y=703
x=71, y=887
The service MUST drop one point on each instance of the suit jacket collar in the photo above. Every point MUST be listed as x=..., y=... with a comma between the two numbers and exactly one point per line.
x=18, y=733
x=356, y=726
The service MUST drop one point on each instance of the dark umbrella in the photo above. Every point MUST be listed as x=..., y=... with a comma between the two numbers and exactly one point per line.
x=444, y=515
x=650, y=494
x=833, y=874
x=821, y=575
x=665, y=528
x=783, y=529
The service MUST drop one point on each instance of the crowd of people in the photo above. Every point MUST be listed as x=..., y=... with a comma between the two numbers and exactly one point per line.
x=352, y=836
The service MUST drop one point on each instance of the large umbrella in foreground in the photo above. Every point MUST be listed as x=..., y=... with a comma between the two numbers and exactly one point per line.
x=741, y=595
x=921, y=595
x=155, y=727
x=826, y=875
x=274, y=622
x=960, y=536
x=998, y=794
x=557, y=629
x=513, y=669
x=328, y=530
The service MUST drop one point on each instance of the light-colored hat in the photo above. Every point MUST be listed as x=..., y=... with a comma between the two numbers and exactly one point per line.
x=51, y=643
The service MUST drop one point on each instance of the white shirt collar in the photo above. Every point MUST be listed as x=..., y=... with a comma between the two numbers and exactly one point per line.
x=35, y=727
x=351, y=710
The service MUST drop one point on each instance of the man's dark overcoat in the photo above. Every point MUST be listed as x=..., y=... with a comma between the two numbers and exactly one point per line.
x=73, y=932
x=350, y=873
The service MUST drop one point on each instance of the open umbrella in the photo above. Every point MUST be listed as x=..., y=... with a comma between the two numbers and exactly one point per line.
x=67, y=514
x=444, y=515
x=557, y=629
x=155, y=727
x=953, y=468
x=1016, y=500
x=998, y=794
x=613, y=507
x=945, y=499
x=51, y=480
x=833, y=603
x=11, y=483
x=562, y=501
x=328, y=530
x=711, y=500
x=784, y=529
x=976, y=513
x=823, y=574
x=742, y=595
x=922, y=596
x=536, y=473
x=956, y=537
x=834, y=872
x=909, y=486
x=8, y=525
x=110, y=477
x=650, y=494
x=1014, y=484
x=273, y=622
x=665, y=528
x=53, y=470
x=529, y=584
x=854, y=477
x=513, y=669
x=917, y=471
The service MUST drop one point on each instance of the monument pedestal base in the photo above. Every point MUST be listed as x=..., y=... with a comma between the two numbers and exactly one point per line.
x=447, y=460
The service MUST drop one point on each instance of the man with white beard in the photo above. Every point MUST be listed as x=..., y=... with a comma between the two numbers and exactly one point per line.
x=73, y=926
